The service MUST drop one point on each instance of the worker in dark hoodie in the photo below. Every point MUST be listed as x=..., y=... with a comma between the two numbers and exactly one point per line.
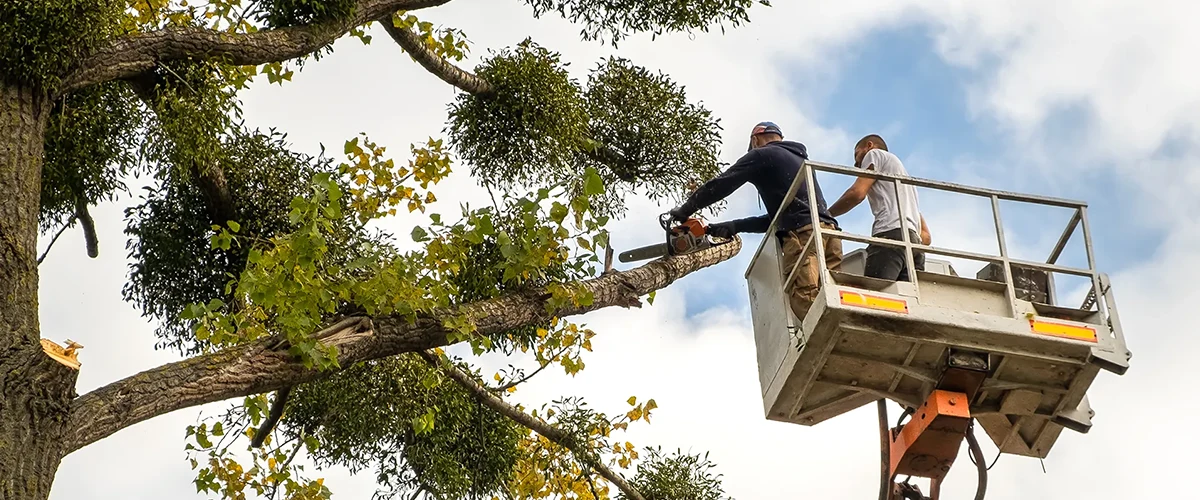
x=771, y=164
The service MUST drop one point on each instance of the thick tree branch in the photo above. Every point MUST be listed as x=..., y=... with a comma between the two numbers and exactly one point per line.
x=539, y=426
x=211, y=181
x=262, y=366
x=129, y=55
x=439, y=66
x=277, y=406
x=89, y=228
x=607, y=155
x=209, y=178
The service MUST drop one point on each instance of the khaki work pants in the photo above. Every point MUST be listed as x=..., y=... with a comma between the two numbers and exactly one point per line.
x=803, y=288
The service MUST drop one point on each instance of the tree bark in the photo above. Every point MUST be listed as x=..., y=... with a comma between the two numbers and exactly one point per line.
x=262, y=366
x=130, y=55
x=23, y=114
x=35, y=391
x=440, y=67
x=35, y=406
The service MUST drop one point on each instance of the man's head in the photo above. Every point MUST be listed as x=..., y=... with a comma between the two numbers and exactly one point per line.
x=764, y=133
x=866, y=144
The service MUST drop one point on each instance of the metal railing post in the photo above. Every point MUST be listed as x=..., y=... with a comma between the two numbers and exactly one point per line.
x=1065, y=238
x=1091, y=261
x=787, y=200
x=816, y=242
x=813, y=210
x=804, y=251
x=1004, y=260
x=908, y=250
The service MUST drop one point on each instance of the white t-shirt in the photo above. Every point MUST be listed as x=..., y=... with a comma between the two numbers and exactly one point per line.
x=882, y=195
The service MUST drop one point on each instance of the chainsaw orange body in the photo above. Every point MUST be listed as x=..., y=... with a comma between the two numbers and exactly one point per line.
x=687, y=237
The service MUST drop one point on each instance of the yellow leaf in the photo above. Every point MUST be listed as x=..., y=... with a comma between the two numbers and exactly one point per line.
x=497, y=377
x=632, y=400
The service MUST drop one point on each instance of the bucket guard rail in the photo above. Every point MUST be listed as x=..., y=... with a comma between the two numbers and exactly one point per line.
x=866, y=339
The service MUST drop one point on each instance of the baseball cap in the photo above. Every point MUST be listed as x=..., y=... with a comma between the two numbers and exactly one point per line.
x=763, y=128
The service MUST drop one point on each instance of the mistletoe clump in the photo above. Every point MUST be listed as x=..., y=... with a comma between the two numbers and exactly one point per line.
x=284, y=13
x=528, y=129
x=618, y=18
x=662, y=142
x=40, y=39
x=397, y=416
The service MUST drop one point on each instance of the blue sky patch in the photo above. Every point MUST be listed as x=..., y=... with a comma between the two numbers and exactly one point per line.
x=898, y=86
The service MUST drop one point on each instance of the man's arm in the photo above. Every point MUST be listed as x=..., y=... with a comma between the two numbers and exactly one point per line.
x=925, y=238
x=853, y=196
x=756, y=224
x=719, y=187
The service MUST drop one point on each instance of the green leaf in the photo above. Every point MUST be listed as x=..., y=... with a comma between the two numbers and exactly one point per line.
x=233, y=225
x=202, y=438
x=585, y=298
x=592, y=184
x=558, y=212
x=430, y=380
x=650, y=297
x=419, y=234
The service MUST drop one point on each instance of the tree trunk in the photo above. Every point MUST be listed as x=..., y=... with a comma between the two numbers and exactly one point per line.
x=35, y=391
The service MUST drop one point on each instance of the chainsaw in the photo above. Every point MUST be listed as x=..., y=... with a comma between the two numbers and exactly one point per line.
x=689, y=237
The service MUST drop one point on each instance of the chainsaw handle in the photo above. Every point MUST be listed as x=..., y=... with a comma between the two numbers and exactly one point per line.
x=694, y=225
x=665, y=221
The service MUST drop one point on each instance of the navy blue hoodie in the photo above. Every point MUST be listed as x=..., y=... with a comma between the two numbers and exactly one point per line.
x=771, y=169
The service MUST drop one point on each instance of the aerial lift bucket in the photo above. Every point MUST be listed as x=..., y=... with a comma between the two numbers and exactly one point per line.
x=998, y=345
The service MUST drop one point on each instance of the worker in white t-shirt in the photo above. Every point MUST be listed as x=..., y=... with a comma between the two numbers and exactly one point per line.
x=885, y=262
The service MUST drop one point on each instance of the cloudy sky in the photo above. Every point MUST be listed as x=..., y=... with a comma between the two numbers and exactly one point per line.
x=1080, y=99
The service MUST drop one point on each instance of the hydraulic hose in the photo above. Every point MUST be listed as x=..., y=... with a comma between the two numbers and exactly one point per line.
x=980, y=465
x=885, y=450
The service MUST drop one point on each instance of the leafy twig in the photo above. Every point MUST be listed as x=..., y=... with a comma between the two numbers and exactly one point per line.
x=61, y=230
x=558, y=436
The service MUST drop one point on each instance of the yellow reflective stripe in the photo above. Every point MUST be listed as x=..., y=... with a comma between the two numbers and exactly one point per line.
x=858, y=299
x=1085, y=333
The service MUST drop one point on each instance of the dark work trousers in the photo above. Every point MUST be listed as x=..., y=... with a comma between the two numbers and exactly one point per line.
x=888, y=262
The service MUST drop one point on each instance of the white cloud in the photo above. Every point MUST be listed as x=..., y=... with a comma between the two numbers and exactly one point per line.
x=1125, y=64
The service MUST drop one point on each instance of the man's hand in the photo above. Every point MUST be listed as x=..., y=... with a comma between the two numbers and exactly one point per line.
x=679, y=214
x=722, y=230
